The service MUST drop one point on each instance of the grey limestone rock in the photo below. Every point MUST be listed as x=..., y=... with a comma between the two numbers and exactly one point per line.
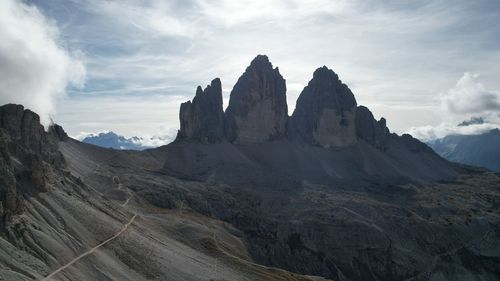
x=203, y=118
x=26, y=154
x=325, y=112
x=257, y=110
x=372, y=131
x=23, y=125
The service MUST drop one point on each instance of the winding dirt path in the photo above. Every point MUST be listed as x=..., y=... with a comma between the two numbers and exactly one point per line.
x=130, y=195
x=92, y=250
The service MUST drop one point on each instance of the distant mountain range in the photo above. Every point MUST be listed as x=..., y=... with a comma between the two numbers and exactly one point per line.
x=112, y=140
x=479, y=150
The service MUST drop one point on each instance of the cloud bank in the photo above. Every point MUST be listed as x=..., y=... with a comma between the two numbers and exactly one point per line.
x=34, y=68
x=470, y=97
x=467, y=101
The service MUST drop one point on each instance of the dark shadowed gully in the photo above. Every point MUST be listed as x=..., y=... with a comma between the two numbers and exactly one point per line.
x=247, y=194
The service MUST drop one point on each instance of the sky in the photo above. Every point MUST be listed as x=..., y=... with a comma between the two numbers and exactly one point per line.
x=125, y=66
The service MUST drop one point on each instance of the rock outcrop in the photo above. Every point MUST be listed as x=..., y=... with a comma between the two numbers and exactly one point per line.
x=372, y=131
x=203, y=118
x=257, y=110
x=23, y=125
x=58, y=132
x=327, y=139
x=27, y=157
x=325, y=112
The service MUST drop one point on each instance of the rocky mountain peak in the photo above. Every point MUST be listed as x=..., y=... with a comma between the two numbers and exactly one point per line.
x=325, y=74
x=261, y=61
x=58, y=132
x=27, y=157
x=199, y=91
x=203, y=118
x=325, y=111
x=23, y=125
x=257, y=110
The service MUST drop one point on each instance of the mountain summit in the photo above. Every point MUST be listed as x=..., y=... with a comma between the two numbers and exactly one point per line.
x=203, y=119
x=328, y=138
x=257, y=110
x=325, y=113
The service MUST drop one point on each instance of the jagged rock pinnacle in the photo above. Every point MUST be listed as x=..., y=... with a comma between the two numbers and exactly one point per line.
x=203, y=118
x=372, y=131
x=257, y=110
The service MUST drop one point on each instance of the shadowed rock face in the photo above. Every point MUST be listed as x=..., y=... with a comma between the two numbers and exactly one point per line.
x=23, y=125
x=257, y=110
x=203, y=118
x=372, y=131
x=326, y=116
x=325, y=112
x=26, y=154
x=58, y=132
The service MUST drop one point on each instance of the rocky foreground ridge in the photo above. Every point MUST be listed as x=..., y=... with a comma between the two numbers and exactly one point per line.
x=29, y=161
x=66, y=214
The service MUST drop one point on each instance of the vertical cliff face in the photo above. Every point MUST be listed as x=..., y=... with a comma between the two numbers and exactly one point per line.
x=203, y=118
x=257, y=110
x=23, y=125
x=28, y=155
x=325, y=112
x=372, y=131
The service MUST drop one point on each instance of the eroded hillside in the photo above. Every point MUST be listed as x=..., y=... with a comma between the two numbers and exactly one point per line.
x=78, y=220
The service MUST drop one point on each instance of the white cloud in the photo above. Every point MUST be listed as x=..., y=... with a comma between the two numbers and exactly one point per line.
x=428, y=133
x=162, y=137
x=156, y=17
x=280, y=12
x=34, y=69
x=468, y=98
